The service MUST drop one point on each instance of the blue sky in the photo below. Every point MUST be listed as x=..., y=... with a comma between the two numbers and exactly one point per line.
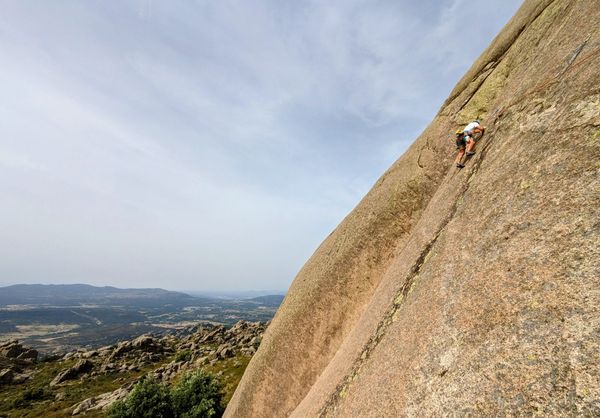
x=209, y=145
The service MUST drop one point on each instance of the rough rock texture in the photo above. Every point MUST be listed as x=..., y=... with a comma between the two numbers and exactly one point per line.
x=199, y=346
x=6, y=376
x=463, y=292
x=14, y=350
x=103, y=401
x=242, y=338
x=17, y=363
x=81, y=367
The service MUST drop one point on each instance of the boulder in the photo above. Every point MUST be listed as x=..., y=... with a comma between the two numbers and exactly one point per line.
x=12, y=350
x=216, y=335
x=101, y=402
x=6, y=377
x=90, y=354
x=107, y=367
x=142, y=345
x=144, y=342
x=29, y=354
x=120, y=349
x=226, y=352
x=22, y=377
x=81, y=367
x=7, y=343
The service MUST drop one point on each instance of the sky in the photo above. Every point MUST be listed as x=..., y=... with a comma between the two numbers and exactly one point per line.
x=209, y=145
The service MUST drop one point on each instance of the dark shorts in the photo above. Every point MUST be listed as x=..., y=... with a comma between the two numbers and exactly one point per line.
x=461, y=142
x=469, y=134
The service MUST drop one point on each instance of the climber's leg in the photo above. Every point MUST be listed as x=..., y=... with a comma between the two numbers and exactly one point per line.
x=470, y=145
x=459, y=157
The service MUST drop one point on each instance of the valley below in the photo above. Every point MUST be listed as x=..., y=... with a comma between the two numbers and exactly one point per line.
x=77, y=349
x=57, y=319
x=89, y=381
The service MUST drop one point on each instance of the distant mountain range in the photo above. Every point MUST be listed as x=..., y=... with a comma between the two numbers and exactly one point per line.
x=268, y=300
x=82, y=294
x=79, y=294
x=233, y=294
x=61, y=317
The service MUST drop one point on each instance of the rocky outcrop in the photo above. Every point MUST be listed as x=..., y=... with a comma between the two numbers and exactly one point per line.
x=101, y=402
x=14, y=350
x=141, y=350
x=70, y=380
x=472, y=292
x=164, y=358
x=208, y=345
x=74, y=372
x=16, y=362
x=6, y=376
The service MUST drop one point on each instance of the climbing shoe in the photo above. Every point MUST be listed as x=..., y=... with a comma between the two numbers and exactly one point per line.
x=459, y=165
x=471, y=153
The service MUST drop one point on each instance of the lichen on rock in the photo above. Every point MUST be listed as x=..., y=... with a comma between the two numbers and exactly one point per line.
x=472, y=292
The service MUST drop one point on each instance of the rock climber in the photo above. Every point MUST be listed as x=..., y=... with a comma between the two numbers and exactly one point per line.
x=466, y=139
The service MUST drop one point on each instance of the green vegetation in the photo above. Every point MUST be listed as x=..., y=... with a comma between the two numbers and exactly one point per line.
x=25, y=398
x=230, y=373
x=148, y=399
x=14, y=402
x=197, y=395
x=185, y=355
x=36, y=398
x=206, y=352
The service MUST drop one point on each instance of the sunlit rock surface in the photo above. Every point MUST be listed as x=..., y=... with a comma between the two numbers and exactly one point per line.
x=463, y=292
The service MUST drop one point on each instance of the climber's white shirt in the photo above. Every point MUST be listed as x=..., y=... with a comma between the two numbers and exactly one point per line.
x=471, y=126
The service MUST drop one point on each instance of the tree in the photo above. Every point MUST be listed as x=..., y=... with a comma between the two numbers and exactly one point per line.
x=148, y=399
x=198, y=395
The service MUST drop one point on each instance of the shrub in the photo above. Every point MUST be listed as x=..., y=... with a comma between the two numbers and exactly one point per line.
x=147, y=399
x=26, y=397
x=185, y=355
x=198, y=395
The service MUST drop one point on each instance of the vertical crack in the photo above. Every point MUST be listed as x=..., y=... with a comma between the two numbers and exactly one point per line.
x=342, y=389
x=574, y=56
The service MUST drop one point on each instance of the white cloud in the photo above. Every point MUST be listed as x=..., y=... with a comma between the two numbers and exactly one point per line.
x=206, y=145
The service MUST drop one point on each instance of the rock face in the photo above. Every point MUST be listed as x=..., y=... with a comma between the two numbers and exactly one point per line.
x=243, y=338
x=101, y=402
x=14, y=350
x=139, y=348
x=471, y=292
x=81, y=367
x=16, y=362
x=6, y=376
